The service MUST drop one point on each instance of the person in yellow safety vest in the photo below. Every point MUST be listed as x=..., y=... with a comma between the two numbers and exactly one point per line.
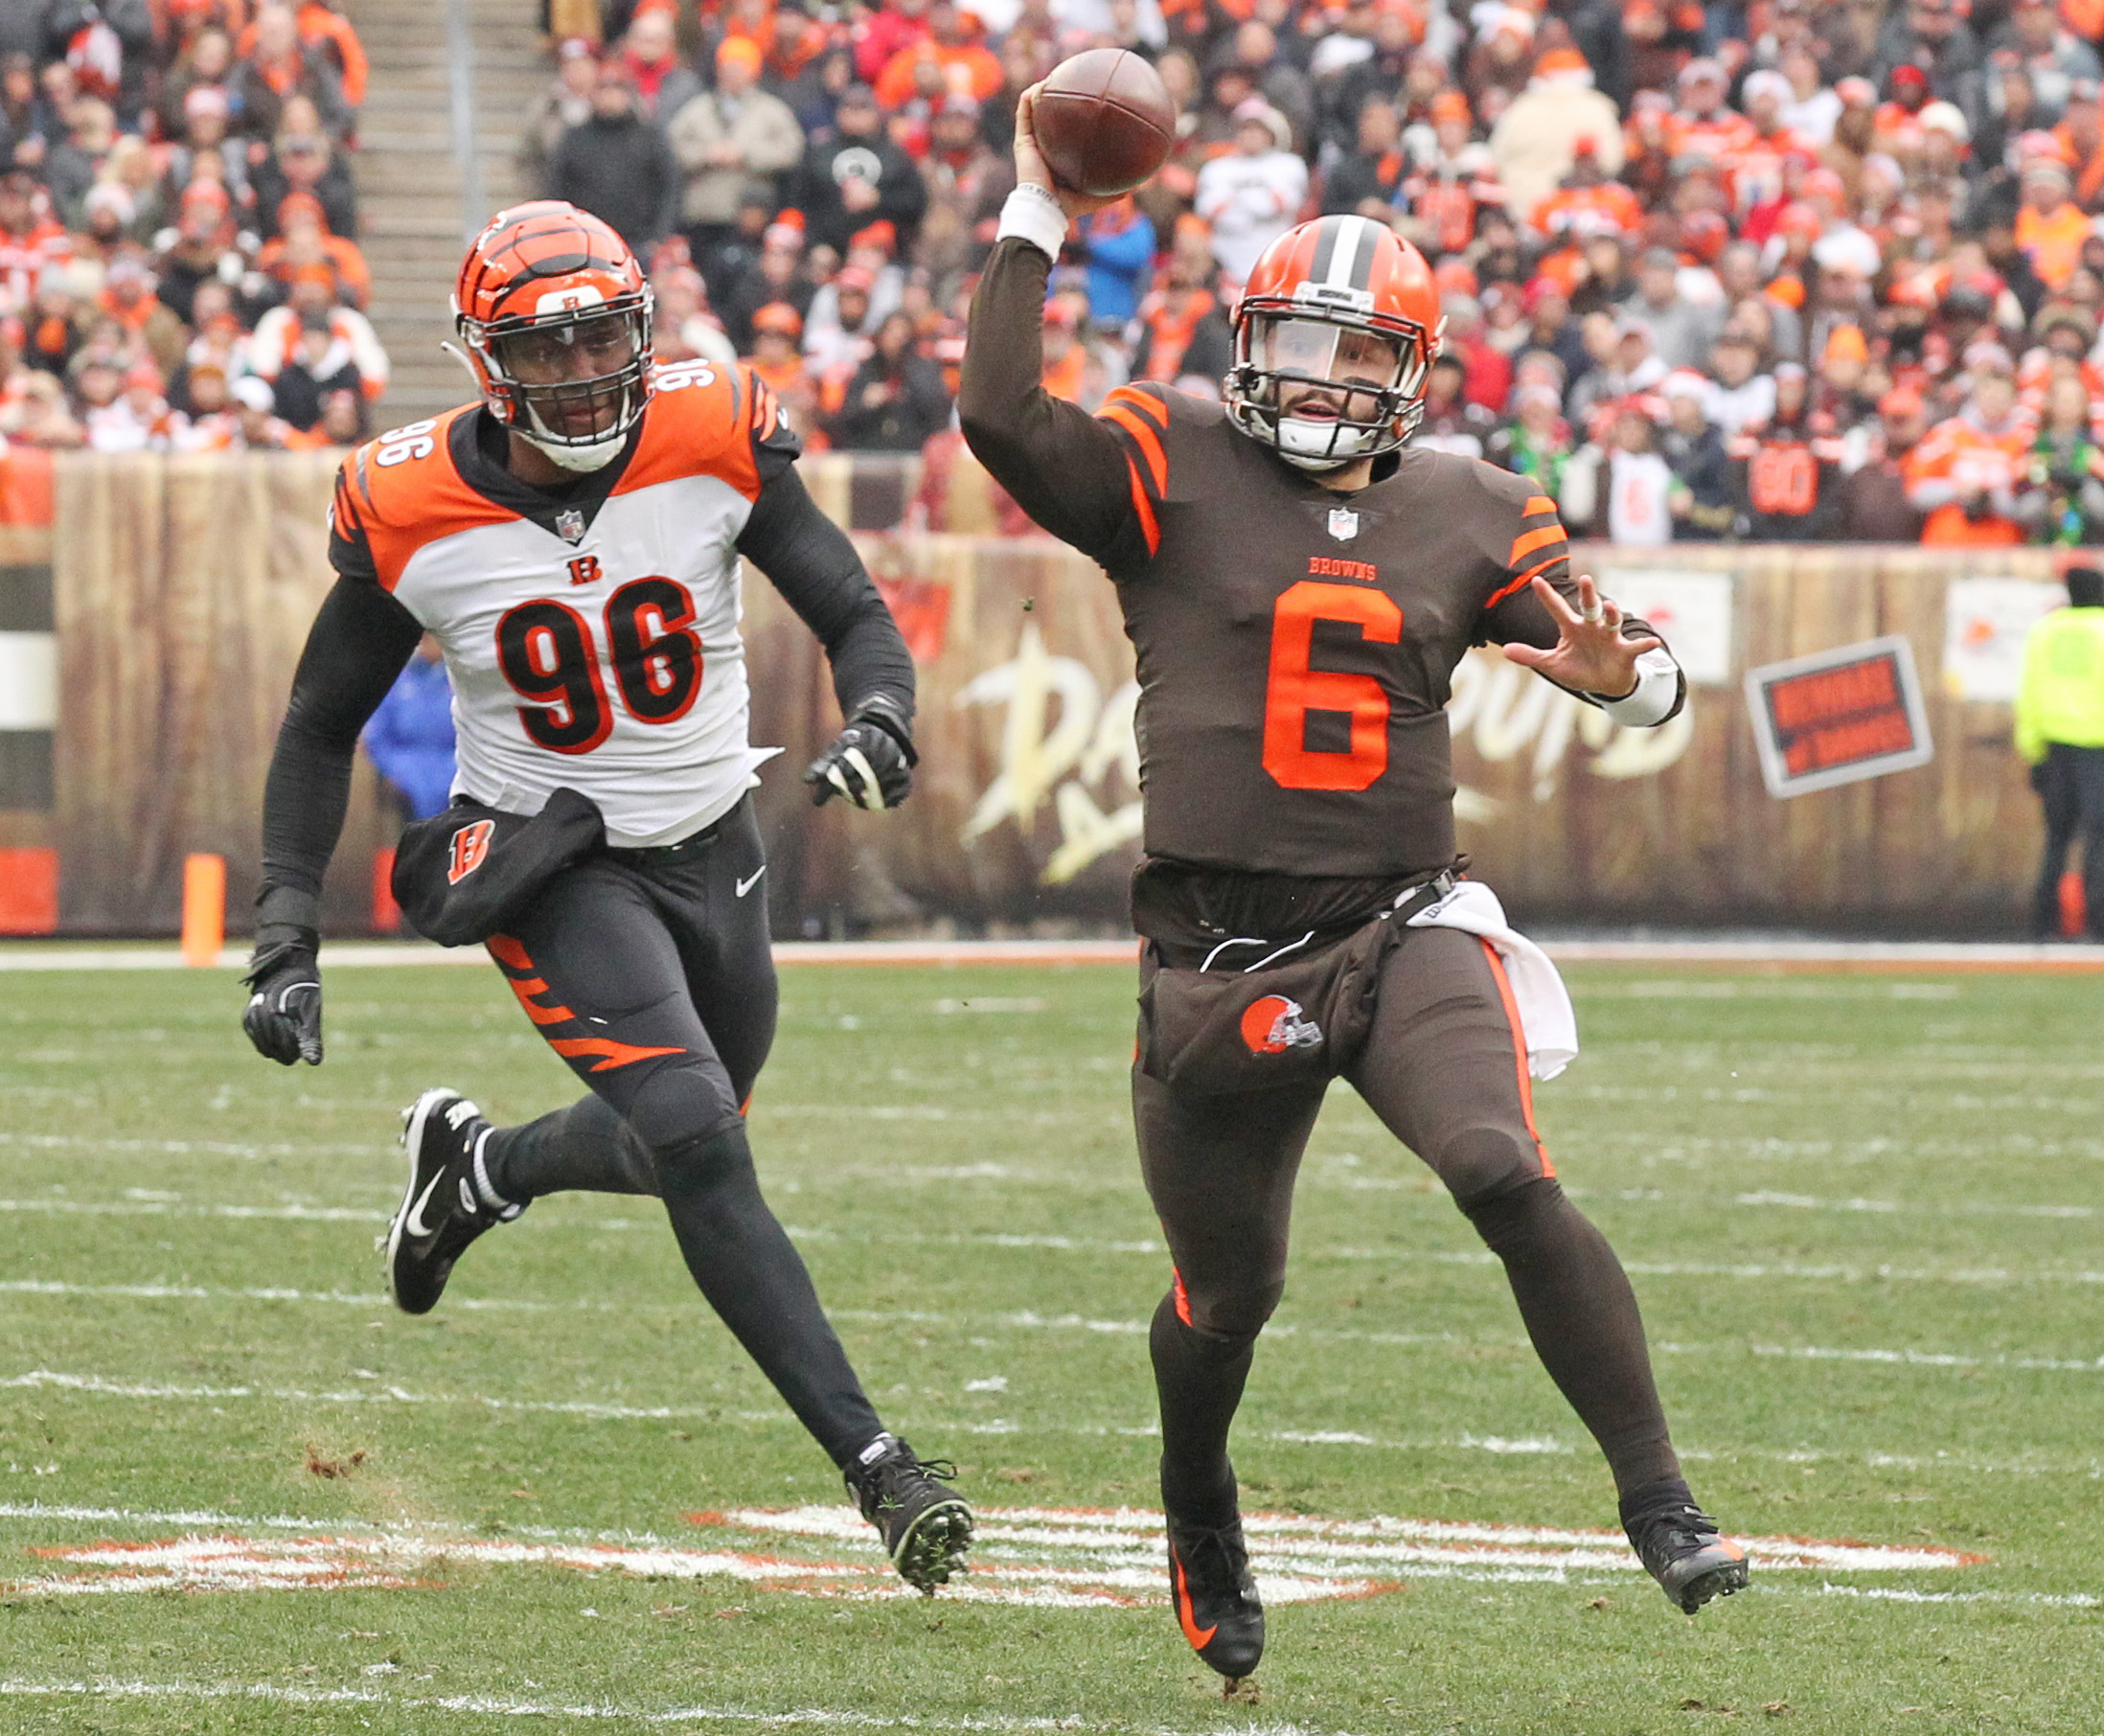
x=2060, y=730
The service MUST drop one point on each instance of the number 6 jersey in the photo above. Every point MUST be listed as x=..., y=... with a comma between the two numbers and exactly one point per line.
x=1294, y=645
x=591, y=634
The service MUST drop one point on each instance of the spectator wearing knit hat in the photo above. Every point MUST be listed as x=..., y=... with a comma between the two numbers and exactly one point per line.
x=1366, y=177
x=774, y=278
x=1966, y=473
x=303, y=158
x=733, y=143
x=279, y=66
x=1701, y=500
x=1875, y=507
x=565, y=102
x=2050, y=227
x=1251, y=196
x=648, y=56
x=617, y=166
x=853, y=179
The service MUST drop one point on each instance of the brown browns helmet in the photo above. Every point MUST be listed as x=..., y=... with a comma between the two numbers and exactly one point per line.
x=554, y=315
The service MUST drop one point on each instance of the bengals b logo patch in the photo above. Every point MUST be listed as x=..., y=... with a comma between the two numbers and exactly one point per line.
x=471, y=846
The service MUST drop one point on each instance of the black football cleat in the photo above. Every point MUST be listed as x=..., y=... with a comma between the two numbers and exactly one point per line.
x=925, y=1528
x=1680, y=1548
x=441, y=1210
x=1216, y=1596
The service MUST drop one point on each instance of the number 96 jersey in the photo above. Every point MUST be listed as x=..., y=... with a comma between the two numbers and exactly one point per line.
x=591, y=633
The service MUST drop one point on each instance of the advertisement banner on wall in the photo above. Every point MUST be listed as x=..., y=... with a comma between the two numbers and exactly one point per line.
x=1985, y=622
x=1691, y=611
x=1838, y=715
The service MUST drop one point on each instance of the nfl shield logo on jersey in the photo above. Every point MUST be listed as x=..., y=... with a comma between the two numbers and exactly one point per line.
x=1343, y=523
x=570, y=524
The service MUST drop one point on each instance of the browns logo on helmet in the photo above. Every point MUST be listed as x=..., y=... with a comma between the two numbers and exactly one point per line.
x=555, y=313
x=1334, y=338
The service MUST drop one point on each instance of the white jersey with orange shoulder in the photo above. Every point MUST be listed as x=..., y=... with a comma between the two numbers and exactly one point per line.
x=591, y=638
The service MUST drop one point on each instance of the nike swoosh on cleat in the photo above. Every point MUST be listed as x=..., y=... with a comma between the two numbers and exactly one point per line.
x=414, y=1225
x=1200, y=1637
x=746, y=886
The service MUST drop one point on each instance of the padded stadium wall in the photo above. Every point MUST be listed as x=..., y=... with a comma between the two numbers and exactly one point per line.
x=152, y=607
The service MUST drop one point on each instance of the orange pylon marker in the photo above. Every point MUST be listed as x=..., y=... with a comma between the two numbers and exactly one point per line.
x=204, y=908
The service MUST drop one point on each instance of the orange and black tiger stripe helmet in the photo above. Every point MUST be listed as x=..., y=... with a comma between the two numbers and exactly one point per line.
x=545, y=266
x=1354, y=274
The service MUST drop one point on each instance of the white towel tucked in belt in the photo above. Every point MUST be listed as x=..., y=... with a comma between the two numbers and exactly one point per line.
x=1547, y=1024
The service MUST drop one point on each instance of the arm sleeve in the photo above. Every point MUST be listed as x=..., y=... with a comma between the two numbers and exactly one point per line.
x=810, y=561
x=358, y=644
x=1065, y=467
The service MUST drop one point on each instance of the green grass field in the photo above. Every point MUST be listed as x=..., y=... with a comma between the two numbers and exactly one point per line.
x=1861, y=1213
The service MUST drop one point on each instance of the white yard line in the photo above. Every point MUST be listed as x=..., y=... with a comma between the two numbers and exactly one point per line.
x=58, y=1205
x=996, y=1427
x=491, y=1707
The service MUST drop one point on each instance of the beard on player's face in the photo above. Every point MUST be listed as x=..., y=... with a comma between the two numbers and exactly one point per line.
x=1325, y=363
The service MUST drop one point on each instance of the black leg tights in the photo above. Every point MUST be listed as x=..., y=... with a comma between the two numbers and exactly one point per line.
x=756, y=1281
x=1199, y=1377
x=1581, y=1316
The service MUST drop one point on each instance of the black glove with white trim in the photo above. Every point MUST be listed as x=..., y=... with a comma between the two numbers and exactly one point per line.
x=284, y=1016
x=870, y=762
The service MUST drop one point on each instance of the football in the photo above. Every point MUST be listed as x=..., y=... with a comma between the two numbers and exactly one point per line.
x=1103, y=121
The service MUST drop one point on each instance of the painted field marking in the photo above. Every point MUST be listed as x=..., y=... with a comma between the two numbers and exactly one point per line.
x=61, y=1205
x=492, y=1707
x=1051, y=1557
x=1293, y=1543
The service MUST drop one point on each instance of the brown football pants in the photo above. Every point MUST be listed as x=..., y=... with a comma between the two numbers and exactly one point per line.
x=1444, y=1069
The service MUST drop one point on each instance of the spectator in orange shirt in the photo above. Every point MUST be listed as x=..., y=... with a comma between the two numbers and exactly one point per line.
x=954, y=43
x=278, y=67
x=323, y=27
x=2050, y=227
x=303, y=240
x=776, y=362
x=1966, y=473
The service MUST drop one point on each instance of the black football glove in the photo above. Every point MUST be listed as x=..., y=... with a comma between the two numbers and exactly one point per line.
x=870, y=762
x=284, y=1019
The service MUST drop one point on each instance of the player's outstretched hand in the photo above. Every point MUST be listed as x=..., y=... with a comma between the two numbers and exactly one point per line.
x=1032, y=169
x=870, y=762
x=283, y=1016
x=1590, y=654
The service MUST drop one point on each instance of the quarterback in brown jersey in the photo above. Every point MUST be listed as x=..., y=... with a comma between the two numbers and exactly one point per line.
x=1298, y=585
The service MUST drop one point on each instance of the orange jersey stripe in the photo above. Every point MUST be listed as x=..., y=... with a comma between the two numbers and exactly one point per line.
x=1145, y=402
x=1525, y=544
x=1537, y=503
x=1519, y=1051
x=1145, y=508
x=1526, y=578
x=1146, y=439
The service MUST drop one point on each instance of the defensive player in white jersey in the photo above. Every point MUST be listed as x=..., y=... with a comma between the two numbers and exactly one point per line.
x=573, y=542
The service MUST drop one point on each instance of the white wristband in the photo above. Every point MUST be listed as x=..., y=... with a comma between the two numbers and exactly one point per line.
x=1032, y=212
x=1658, y=683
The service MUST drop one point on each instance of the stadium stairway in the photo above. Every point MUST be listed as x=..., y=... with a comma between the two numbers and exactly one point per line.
x=409, y=183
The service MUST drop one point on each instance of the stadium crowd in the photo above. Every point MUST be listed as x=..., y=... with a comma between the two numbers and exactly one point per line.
x=178, y=268
x=1779, y=269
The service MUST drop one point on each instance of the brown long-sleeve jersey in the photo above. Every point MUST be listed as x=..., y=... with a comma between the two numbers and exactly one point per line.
x=1294, y=645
